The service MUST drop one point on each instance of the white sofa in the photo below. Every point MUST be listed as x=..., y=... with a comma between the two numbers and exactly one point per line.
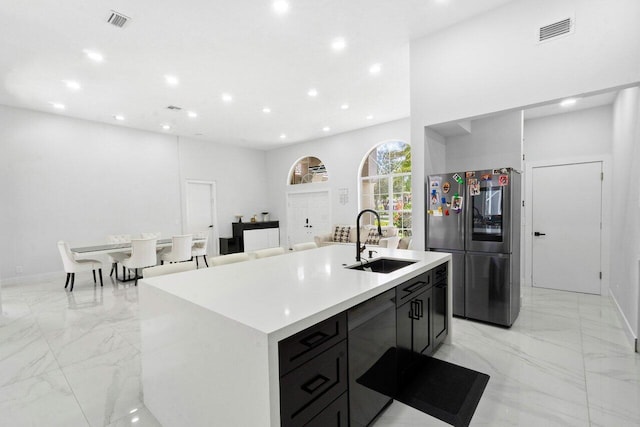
x=339, y=236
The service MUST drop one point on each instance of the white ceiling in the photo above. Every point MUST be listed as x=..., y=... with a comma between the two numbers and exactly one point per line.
x=240, y=47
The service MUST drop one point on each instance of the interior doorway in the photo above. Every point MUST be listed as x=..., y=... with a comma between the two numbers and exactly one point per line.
x=308, y=215
x=567, y=227
x=200, y=215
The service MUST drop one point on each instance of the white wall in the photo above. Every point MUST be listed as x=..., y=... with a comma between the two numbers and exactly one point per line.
x=579, y=133
x=342, y=155
x=75, y=180
x=625, y=237
x=240, y=175
x=494, y=142
x=572, y=137
x=493, y=62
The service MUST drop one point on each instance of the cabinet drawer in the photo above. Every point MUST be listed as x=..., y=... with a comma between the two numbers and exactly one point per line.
x=334, y=415
x=439, y=273
x=406, y=290
x=307, y=390
x=305, y=345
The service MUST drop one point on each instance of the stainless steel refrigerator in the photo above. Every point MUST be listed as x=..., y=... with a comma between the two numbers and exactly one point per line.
x=475, y=216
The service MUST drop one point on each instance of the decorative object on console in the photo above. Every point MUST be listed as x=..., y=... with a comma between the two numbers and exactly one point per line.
x=239, y=217
x=265, y=216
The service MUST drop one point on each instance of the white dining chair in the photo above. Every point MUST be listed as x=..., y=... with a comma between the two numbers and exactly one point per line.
x=116, y=257
x=304, y=246
x=180, y=249
x=264, y=253
x=229, y=259
x=200, y=248
x=143, y=254
x=161, y=270
x=73, y=266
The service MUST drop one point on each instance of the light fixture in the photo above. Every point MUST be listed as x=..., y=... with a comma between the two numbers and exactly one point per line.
x=280, y=7
x=135, y=419
x=119, y=117
x=312, y=92
x=369, y=117
x=338, y=44
x=192, y=114
x=326, y=129
x=227, y=97
x=568, y=102
x=72, y=84
x=171, y=80
x=57, y=105
x=283, y=136
x=93, y=55
x=166, y=127
x=344, y=106
x=375, y=68
x=266, y=110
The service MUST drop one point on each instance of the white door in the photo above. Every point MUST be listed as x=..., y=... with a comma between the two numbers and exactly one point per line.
x=308, y=215
x=201, y=213
x=566, y=218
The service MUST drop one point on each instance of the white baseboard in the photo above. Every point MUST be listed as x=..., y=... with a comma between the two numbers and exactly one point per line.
x=626, y=326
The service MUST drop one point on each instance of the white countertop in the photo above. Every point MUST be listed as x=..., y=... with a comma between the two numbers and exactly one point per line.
x=287, y=293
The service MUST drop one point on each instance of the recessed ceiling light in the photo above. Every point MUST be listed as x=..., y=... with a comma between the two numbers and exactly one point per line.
x=326, y=129
x=57, y=105
x=568, y=102
x=344, y=106
x=312, y=92
x=166, y=127
x=375, y=68
x=192, y=114
x=72, y=84
x=227, y=97
x=171, y=80
x=266, y=110
x=369, y=117
x=119, y=117
x=283, y=136
x=338, y=44
x=281, y=7
x=93, y=55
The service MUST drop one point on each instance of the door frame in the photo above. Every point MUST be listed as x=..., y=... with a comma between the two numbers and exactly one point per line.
x=304, y=191
x=215, y=244
x=605, y=214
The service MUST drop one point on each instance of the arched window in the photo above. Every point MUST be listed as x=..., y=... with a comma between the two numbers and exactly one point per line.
x=308, y=169
x=385, y=185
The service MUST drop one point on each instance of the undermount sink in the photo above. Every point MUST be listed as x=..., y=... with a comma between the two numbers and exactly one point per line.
x=382, y=265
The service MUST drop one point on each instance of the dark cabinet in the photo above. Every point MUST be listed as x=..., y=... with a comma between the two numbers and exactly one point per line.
x=313, y=374
x=413, y=321
x=439, y=305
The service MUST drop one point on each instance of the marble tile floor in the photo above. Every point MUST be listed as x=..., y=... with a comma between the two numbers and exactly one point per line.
x=73, y=359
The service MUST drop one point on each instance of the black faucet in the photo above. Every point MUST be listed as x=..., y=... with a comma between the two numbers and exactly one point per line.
x=358, y=248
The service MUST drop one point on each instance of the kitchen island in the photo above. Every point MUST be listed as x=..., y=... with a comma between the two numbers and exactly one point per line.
x=210, y=337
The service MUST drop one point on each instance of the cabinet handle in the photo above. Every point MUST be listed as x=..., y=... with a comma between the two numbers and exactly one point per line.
x=420, y=306
x=414, y=287
x=413, y=312
x=314, y=383
x=314, y=339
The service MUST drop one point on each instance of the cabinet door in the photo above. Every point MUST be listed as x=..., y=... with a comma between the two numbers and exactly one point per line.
x=273, y=237
x=439, y=312
x=404, y=336
x=422, y=342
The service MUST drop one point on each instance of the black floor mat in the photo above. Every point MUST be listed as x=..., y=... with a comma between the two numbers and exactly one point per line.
x=441, y=389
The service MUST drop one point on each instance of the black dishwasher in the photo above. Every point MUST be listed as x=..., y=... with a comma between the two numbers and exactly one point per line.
x=371, y=335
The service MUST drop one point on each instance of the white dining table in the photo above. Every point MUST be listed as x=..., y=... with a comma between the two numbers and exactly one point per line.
x=109, y=248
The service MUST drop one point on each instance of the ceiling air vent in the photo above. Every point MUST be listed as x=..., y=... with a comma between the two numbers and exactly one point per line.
x=117, y=19
x=557, y=29
x=174, y=107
